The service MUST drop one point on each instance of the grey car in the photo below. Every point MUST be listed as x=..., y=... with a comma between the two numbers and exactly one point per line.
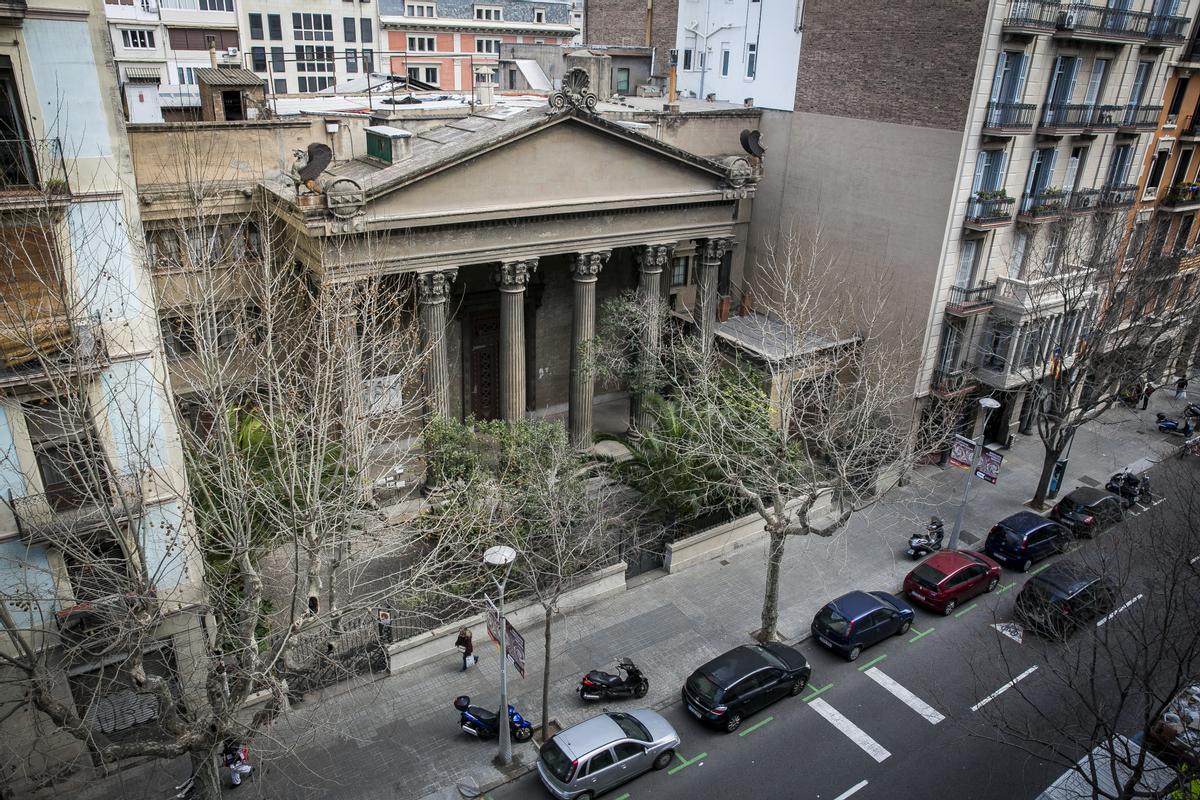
x=594, y=756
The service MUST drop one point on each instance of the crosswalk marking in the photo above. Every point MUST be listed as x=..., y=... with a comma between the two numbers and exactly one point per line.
x=909, y=699
x=854, y=733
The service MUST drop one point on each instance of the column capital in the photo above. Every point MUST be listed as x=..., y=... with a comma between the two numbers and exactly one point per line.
x=434, y=287
x=514, y=276
x=715, y=249
x=586, y=266
x=653, y=257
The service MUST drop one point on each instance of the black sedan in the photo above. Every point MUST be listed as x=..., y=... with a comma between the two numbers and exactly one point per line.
x=734, y=685
x=1088, y=511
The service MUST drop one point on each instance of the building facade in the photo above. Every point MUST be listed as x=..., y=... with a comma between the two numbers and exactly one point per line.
x=649, y=23
x=304, y=47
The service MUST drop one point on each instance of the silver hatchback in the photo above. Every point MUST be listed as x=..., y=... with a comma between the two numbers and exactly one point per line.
x=606, y=750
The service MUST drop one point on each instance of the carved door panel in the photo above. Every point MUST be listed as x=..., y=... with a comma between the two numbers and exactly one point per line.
x=485, y=365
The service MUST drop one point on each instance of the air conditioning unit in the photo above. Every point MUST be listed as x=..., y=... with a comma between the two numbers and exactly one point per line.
x=232, y=52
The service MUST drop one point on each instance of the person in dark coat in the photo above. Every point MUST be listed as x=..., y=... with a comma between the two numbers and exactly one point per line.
x=1181, y=389
x=463, y=643
x=1149, y=390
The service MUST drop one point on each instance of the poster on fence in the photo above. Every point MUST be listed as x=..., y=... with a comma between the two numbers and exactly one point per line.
x=962, y=452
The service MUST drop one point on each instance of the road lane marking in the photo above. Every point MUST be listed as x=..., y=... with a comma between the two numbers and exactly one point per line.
x=1194, y=560
x=922, y=634
x=756, y=726
x=624, y=796
x=1003, y=688
x=817, y=692
x=958, y=614
x=683, y=762
x=909, y=699
x=854, y=733
x=1118, y=611
x=1033, y=572
x=1004, y=589
x=872, y=662
x=846, y=793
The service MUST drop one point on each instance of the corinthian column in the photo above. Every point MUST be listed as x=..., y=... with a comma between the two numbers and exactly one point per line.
x=433, y=290
x=512, y=277
x=705, y=310
x=585, y=268
x=653, y=259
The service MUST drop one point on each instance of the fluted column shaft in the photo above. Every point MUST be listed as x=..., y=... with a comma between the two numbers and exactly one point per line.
x=705, y=313
x=585, y=269
x=433, y=290
x=512, y=277
x=652, y=259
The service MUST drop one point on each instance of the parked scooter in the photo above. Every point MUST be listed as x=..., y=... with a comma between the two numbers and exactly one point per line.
x=922, y=544
x=1168, y=425
x=597, y=685
x=1191, y=447
x=1129, y=487
x=484, y=724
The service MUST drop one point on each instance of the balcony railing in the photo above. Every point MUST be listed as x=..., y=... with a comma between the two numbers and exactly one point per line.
x=1184, y=194
x=1084, y=200
x=1143, y=118
x=1169, y=30
x=989, y=211
x=39, y=350
x=951, y=380
x=32, y=167
x=1023, y=293
x=964, y=301
x=1104, y=23
x=75, y=509
x=1032, y=15
x=1044, y=205
x=1118, y=195
x=1106, y=117
x=1010, y=117
x=1067, y=116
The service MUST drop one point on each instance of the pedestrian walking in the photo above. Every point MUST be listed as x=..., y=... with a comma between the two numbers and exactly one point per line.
x=463, y=643
x=1149, y=390
x=1181, y=389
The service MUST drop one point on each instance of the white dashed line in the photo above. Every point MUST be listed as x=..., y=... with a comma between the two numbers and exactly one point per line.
x=851, y=790
x=1118, y=611
x=854, y=733
x=1003, y=689
x=1194, y=560
x=909, y=699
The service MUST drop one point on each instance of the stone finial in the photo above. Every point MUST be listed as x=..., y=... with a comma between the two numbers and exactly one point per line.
x=575, y=91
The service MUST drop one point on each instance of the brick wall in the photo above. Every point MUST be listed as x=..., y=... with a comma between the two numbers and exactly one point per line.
x=624, y=22
x=910, y=62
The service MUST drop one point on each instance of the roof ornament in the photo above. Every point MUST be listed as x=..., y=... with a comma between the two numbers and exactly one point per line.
x=574, y=92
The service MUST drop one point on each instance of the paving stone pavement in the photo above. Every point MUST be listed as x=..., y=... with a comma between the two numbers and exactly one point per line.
x=397, y=736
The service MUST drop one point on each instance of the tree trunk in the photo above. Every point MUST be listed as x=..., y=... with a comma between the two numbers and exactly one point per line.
x=1043, y=485
x=206, y=775
x=546, y=673
x=770, y=609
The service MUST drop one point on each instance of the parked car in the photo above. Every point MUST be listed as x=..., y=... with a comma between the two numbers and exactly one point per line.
x=1062, y=599
x=857, y=620
x=594, y=756
x=946, y=579
x=1087, y=511
x=735, y=684
x=1025, y=538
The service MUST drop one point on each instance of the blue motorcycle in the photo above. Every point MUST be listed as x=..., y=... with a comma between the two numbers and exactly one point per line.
x=484, y=724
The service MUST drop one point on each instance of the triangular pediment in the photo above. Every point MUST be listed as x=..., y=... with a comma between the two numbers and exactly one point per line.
x=563, y=164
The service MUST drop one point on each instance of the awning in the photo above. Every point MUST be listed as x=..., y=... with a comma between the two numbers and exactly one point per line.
x=534, y=75
x=142, y=75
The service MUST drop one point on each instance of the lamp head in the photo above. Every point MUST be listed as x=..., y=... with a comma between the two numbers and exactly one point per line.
x=499, y=556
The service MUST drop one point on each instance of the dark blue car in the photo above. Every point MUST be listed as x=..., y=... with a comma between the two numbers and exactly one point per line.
x=860, y=619
x=1025, y=538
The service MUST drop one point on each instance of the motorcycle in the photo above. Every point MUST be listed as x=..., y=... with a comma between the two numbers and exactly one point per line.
x=597, y=685
x=484, y=724
x=1129, y=487
x=1168, y=425
x=922, y=544
x=1191, y=447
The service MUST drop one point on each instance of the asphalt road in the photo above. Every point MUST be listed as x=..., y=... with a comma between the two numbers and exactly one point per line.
x=914, y=717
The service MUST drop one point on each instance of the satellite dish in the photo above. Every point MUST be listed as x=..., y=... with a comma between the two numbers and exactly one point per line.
x=752, y=143
x=319, y=156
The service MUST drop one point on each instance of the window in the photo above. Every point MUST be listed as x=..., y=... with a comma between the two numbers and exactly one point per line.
x=487, y=45
x=367, y=35
x=601, y=760
x=256, y=28
x=312, y=27
x=1118, y=167
x=216, y=5
x=1157, y=167
x=349, y=28
x=197, y=38
x=679, y=271
x=368, y=59
x=420, y=10
x=187, y=76
x=258, y=59
x=626, y=750
x=351, y=60
x=281, y=86
x=277, y=62
x=137, y=39
x=539, y=15
x=274, y=28
x=725, y=59
x=493, y=13
x=622, y=80
x=431, y=75
x=314, y=59
x=1182, y=234
x=314, y=84
x=687, y=58
x=422, y=44
x=751, y=60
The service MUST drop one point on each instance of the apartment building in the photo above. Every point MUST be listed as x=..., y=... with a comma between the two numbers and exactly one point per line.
x=93, y=524
x=309, y=46
x=449, y=44
x=940, y=168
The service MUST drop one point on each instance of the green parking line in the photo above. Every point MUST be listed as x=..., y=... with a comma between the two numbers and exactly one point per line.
x=684, y=763
x=1004, y=589
x=817, y=692
x=872, y=663
x=624, y=796
x=751, y=729
x=1039, y=569
x=921, y=634
x=965, y=610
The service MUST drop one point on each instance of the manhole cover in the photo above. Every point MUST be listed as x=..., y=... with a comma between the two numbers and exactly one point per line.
x=969, y=538
x=1090, y=481
x=724, y=563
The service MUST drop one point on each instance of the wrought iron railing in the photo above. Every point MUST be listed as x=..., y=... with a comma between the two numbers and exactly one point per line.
x=1145, y=117
x=1037, y=14
x=1046, y=203
x=963, y=299
x=1167, y=29
x=1084, y=200
x=949, y=380
x=1103, y=21
x=32, y=165
x=78, y=507
x=1118, y=195
x=1067, y=115
x=989, y=210
x=1181, y=195
x=1010, y=116
x=1107, y=116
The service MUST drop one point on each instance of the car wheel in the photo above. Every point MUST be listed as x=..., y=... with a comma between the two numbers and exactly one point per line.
x=904, y=626
x=642, y=688
x=798, y=686
x=1026, y=564
x=585, y=796
x=523, y=734
x=733, y=723
x=854, y=653
x=664, y=759
x=992, y=584
x=949, y=609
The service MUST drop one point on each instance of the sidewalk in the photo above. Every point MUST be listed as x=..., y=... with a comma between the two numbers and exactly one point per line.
x=398, y=737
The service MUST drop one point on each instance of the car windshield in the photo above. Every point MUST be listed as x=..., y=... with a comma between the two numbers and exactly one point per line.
x=1011, y=537
x=556, y=760
x=832, y=620
x=1036, y=590
x=1069, y=506
x=928, y=576
x=630, y=726
x=702, y=688
x=772, y=659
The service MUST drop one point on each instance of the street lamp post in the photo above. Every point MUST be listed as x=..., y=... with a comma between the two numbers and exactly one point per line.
x=991, y=405
x=502, y=556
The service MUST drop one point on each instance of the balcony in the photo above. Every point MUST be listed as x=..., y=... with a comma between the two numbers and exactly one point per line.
x=1102, y=24
x=1118, y=195
x=951, y=381
x=964, y=302
x=1181, y=197
x=1084, y=201
x=988, y=210
x=1106, y=118
x=1006, y=119
x=1166, y=31
x=1041, y=294
x=33, y=172
x=1140, y=118
x=41, y=350
x=1044, y=206
x=1060, y=118
x=1032, y=17
x=75, y=508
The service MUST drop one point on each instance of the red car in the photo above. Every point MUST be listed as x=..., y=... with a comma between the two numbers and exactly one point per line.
x=950, y=577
